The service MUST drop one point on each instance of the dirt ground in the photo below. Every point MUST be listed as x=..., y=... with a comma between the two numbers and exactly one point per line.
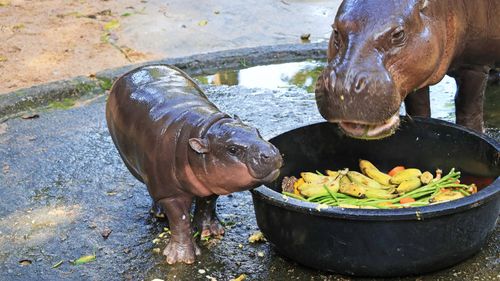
x=48, y=40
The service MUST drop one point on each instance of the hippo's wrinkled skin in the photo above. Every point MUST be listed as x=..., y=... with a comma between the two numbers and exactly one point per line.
x=182, y=147
x=384, y=52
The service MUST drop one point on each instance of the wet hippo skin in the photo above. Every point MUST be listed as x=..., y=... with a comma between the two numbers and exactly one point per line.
x=172, y=138
x=382, y=53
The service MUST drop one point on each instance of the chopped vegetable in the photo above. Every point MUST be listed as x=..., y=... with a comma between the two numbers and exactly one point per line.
x=84, y=259
x=407, y=187
x=406, y=200
x=395, y=170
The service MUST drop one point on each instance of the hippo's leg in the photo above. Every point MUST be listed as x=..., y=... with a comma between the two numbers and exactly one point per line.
x=418, y=103
x=181, y=247
x=157, y=210
x=469, y=98
x=205, y=218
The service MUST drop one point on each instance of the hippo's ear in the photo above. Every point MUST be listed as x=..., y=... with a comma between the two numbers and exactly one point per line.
x=199, y=145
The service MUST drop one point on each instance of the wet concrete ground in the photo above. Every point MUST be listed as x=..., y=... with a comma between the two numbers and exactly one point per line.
x=63, y=186
x=179, y=27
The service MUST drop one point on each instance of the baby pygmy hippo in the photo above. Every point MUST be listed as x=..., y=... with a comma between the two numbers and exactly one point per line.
x=173, y=139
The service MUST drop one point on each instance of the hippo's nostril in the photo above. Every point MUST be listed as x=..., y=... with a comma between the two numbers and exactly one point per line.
x=264, y=156
x=360, y=83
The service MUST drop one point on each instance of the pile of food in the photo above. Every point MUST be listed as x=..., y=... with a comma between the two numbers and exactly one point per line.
x=400, y=188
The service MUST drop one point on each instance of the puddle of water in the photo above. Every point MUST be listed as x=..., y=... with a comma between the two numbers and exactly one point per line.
x=303, y=75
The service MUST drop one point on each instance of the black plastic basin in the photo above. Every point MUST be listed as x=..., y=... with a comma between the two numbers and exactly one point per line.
x=398, y=242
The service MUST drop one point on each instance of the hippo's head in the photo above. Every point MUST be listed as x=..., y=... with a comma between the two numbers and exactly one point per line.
x=379, y=52
x=233, y=157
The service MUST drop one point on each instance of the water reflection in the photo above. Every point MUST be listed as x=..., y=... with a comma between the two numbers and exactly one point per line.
x=303, y=75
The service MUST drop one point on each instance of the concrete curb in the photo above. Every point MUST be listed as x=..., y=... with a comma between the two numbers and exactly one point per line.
x=42, y=95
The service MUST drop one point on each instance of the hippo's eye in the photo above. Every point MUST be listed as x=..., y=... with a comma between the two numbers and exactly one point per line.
x=233, y=150
x=398, y=36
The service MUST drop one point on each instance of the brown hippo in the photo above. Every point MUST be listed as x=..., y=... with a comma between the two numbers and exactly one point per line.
x=382, y=53
x=173, y=139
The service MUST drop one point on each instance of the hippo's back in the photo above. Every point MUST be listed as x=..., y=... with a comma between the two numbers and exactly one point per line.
x=151, y=104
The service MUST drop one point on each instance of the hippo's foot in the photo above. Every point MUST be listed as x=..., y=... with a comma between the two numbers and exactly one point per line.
x=205, y=219
x=157, y=211
x=181, y=252
x=211, y=228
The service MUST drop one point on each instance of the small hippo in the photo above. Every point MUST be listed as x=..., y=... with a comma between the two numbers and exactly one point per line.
x=382, y=53
x=173, y=139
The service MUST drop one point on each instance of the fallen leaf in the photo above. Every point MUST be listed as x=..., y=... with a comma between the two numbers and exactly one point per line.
x=256, y=237
x=112, y=24
x=84, y=259
x=216, y=12
x=125, y=14
x=3, y=128
x=2, y=58
x=4, y=3
x=203, y=22
x=30, y=116
x=240, y=278
x=57, y=264
x=131, y=54
x=18, y=27
x=305, y=36
x=25, y=262
x=126, y=250
x=106, y=232
x=106, y=12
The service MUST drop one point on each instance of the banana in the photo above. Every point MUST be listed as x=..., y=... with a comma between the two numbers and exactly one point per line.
x=380, y=193
x=353, y=189
x=344, y=180
x=331, y=173
x=446, y=195
x=405, y=175
x=364, y=180
x=426, y=177
x=296, y=185
x=312, y=189
x=363, y=164
x=378, y=176
x=312, y=177
x=409, y=185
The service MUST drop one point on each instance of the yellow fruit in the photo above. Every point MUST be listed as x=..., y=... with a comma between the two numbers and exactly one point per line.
x=353, y=189
x=380, y=193
x=409, y=185
x=405, y=174
x=446, y=195
x=331, y=173
x=364, y=180
x=378, y=176
x=312, y=189
x=426, y=177
x=312, y=177
x=371, y=171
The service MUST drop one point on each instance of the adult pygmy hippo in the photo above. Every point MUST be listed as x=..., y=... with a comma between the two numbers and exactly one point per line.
x=182, y=147
x=383, y=52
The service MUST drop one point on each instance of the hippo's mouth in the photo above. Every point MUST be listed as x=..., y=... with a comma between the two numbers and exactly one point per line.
x=271, y=176
x=370, y=131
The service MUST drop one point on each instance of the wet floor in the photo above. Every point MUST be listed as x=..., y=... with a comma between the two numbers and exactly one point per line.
x=303, y=75
x=64, y=190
